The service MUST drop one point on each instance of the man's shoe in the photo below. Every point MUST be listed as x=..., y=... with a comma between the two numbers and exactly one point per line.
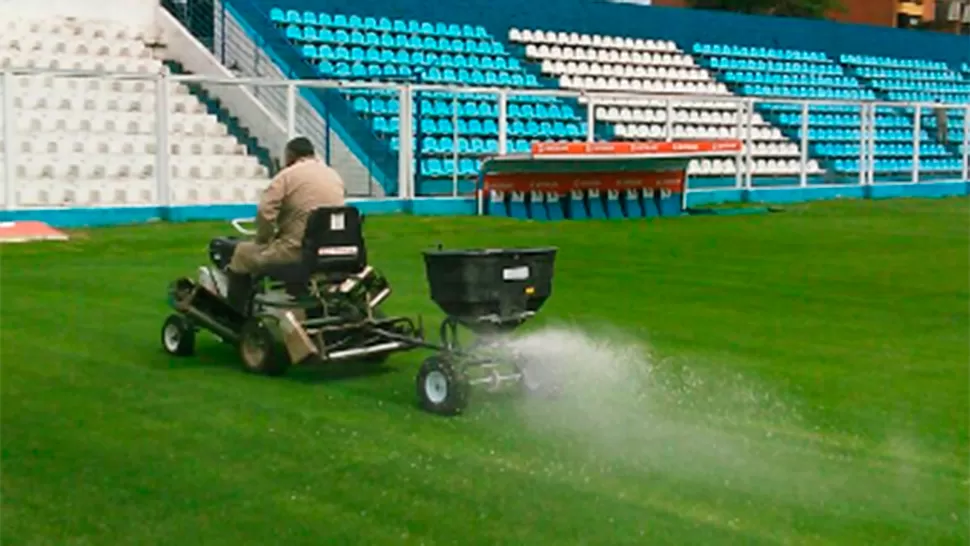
x=240, y=291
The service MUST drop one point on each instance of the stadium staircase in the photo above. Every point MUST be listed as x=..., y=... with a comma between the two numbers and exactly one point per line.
x=215, y=107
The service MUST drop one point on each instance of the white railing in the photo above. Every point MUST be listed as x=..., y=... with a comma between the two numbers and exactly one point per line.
x=745, y=176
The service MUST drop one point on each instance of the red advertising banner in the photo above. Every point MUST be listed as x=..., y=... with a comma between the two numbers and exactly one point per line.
x=563, y=183
x=635, y=148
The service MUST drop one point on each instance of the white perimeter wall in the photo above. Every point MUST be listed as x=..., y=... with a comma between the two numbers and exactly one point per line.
x=137, y=13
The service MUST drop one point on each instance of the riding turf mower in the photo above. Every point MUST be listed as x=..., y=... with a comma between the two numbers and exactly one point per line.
x=325, y=309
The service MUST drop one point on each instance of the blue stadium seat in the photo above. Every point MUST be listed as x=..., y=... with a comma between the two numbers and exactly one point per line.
x=517, y=207
x=594, y=204
x=651, y=207
x=446, y=145
x=430, y=145
x=356, y=47
x=537, y=207
x=467, y=167
x=613, y=208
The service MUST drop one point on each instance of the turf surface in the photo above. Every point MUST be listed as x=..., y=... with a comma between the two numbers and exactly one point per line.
x=808, y=384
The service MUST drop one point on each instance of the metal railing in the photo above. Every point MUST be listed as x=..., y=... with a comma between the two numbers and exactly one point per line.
x=871, y=149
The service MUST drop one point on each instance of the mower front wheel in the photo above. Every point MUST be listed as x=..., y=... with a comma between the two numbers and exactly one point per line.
x=442, y=387
x=258, y=350
x=178, y=336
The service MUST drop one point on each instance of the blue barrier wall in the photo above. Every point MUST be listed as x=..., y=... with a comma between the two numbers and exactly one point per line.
x=463, y=206
x=681, y=25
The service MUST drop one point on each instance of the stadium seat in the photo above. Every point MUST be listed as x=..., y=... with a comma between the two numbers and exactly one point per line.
x=455, y=129
x=349, y=46
x=815, y=75
x=99, y=133
x=611, y=63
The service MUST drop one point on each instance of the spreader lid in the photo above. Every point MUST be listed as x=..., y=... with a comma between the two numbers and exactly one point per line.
x=475, y=252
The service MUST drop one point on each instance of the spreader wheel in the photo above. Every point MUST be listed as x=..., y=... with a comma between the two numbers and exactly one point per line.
x=258, y=350
x=178, y=336
x=442, y=388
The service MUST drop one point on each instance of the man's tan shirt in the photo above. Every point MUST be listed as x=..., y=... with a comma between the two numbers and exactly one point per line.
x=282, y=215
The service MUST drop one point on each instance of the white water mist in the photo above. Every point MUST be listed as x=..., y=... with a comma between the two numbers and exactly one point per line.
x=700, y=422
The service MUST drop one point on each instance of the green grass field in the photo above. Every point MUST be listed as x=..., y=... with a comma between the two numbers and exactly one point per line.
x=794, y=378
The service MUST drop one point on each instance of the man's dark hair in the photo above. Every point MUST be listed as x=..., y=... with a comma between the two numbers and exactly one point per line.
x=300, y=147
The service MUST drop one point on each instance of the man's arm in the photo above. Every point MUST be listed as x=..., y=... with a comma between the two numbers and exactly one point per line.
x=269, y=209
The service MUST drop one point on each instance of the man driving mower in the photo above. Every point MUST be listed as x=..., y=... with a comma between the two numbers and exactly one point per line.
x=305, y=184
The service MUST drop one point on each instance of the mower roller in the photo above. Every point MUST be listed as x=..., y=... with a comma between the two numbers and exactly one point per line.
x=326, y=309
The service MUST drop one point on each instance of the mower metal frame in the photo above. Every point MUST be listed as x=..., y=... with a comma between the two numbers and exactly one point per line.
x=349, y=324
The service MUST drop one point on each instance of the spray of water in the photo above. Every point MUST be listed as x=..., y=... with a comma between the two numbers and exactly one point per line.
x=699, y=422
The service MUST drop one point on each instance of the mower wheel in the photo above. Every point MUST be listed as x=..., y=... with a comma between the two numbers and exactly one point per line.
x=442, y=387
x=258, y=350
x=178, y=336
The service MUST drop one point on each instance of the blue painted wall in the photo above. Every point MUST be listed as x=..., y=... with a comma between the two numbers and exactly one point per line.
x=110, y=216
x=681, y=25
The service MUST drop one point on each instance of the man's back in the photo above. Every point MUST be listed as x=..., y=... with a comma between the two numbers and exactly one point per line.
x=306, y=185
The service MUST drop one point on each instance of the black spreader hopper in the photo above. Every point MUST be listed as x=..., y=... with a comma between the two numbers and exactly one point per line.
x=491, y=292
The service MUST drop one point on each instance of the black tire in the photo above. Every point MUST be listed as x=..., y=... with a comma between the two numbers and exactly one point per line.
x=178, y=336
x=442, y=387
x=259, y=351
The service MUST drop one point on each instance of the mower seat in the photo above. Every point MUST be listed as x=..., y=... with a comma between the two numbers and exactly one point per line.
x=333, y=246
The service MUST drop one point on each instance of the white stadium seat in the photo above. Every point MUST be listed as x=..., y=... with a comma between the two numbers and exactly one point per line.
x=92, y=140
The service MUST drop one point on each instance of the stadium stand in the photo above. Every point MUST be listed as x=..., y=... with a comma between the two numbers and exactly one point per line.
x=453, y=129
x=627, y=65
x=897, y=79
x=834, y=129
x=91, y=140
